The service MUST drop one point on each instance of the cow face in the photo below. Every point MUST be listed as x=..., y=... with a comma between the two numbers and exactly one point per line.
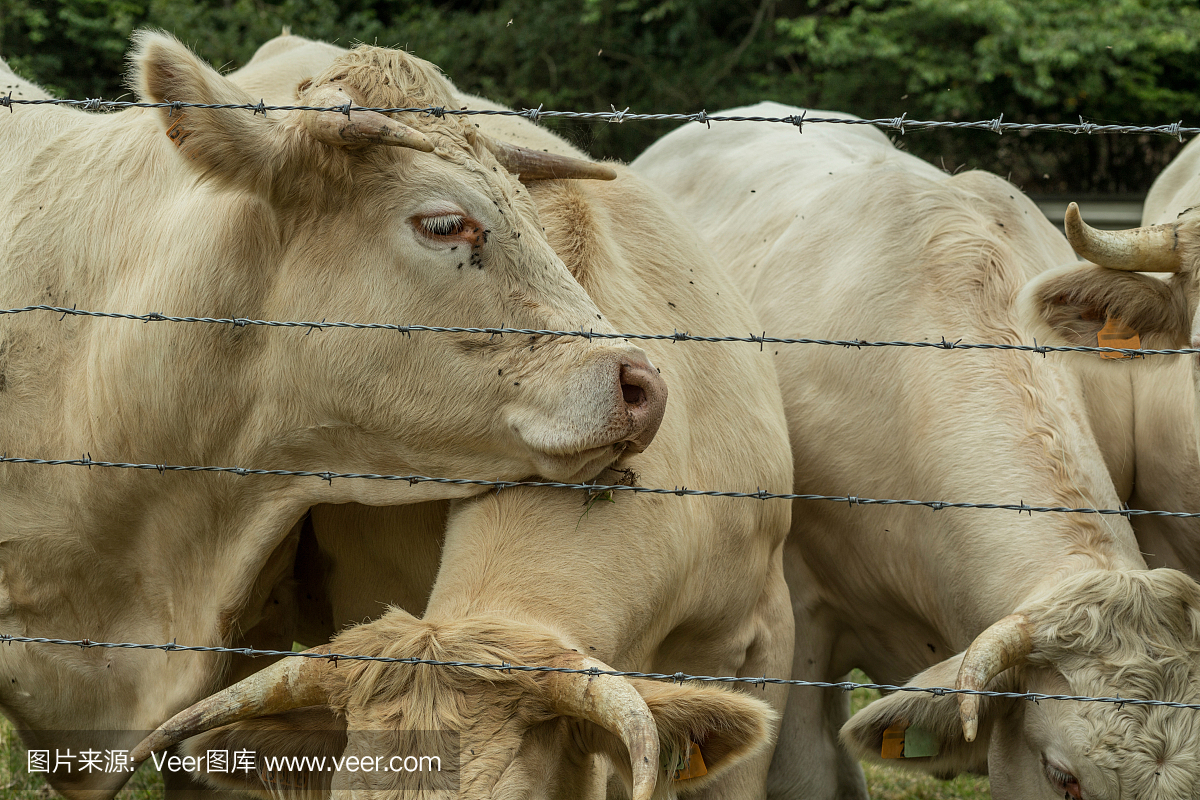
x=1134, y=635
x=362, y=217
x=519, y=734
x=1072, y=304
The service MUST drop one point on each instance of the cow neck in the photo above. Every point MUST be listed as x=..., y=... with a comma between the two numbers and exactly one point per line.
x=1167, y=468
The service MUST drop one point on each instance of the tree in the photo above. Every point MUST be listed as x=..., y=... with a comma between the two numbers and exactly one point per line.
x=1032, y=60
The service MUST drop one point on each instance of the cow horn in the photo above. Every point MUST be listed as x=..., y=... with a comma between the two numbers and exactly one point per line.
x=1005, y=644
x=1150, y=249
x=535, y=165
x=289, y=683
x=359, y=127
x=613, y=704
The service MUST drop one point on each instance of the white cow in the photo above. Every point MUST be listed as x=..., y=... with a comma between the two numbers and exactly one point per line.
x=836, y=233
x=534, y=577
x=302, y=215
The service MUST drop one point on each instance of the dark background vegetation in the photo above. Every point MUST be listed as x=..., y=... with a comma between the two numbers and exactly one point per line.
x=1128, y=61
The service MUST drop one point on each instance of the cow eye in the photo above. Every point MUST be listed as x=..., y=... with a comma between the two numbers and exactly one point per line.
x=1063, y=782
x=442, y=225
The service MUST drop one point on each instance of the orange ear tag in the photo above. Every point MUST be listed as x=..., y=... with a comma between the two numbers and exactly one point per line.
x=694, y=767
x=893, y=741
x=1116, y=333
x=178, y=134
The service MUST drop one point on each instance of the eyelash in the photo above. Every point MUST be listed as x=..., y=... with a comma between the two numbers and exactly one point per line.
x=1062, y=780
x=443, y=225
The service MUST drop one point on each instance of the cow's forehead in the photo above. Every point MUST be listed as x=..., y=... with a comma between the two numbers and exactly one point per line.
x=1147, y=752
x=377, y=77
x=1118, y=620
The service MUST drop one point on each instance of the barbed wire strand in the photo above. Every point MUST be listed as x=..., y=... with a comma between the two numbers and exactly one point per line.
x=598, y=488
x=901, y=123
x=676, y=336
x=677, y=677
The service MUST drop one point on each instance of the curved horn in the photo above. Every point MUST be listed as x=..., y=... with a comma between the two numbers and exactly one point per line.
x=535, y=165
x=360, y=127
x=1149, y=249
x=613, y=704
x=1005, y=644
x=288, y=683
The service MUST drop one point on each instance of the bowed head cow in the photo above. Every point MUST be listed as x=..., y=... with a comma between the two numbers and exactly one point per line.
x=836, y=233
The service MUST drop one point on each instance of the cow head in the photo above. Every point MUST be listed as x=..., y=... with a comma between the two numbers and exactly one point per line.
x=400, y=218
x=1133, y=635
x=1072, y=304
x=498, y=734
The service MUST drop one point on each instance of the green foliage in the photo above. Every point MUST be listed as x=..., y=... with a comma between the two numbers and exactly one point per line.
x=1032, y=60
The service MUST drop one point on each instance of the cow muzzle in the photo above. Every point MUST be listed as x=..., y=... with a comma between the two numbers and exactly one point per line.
x=613, y=402
x=644, y=395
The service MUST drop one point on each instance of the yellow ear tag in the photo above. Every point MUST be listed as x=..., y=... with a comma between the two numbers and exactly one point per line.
x=893, y=741
x=694, y=766
x=1116, y=333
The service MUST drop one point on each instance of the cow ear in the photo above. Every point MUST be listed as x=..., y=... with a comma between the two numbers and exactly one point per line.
x=921, y=731
x=314, y=733
x=702, y=731
x=235, y=145
x=1073, y=304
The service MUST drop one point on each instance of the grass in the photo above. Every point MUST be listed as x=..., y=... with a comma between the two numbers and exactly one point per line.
x=884, y=783
x=18, y=783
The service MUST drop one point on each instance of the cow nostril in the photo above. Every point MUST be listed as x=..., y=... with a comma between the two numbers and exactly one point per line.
x=634, y=395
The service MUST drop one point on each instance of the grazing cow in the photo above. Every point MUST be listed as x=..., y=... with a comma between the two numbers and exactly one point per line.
x=302, y=215
x=836, y=233
x=557, y=578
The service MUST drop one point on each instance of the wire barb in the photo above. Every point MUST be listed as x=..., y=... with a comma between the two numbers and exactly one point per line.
x=617, y=116
x=534, y=114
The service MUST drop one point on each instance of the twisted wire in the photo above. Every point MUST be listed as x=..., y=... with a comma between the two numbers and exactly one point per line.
x=598, y=488
x=675, y=336
x=676, y=677
x=901, y=123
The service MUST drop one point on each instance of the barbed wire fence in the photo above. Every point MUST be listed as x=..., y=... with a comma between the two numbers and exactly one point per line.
x=675, y=336
x=900, y=124
x=676, y=677
x=596, y=488
x=592, y=488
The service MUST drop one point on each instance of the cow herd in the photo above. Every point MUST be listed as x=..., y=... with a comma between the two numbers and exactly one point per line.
x=480, y=221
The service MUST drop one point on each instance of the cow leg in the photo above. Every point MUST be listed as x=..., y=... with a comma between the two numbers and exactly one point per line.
x=809, y=763
x=769, y=654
